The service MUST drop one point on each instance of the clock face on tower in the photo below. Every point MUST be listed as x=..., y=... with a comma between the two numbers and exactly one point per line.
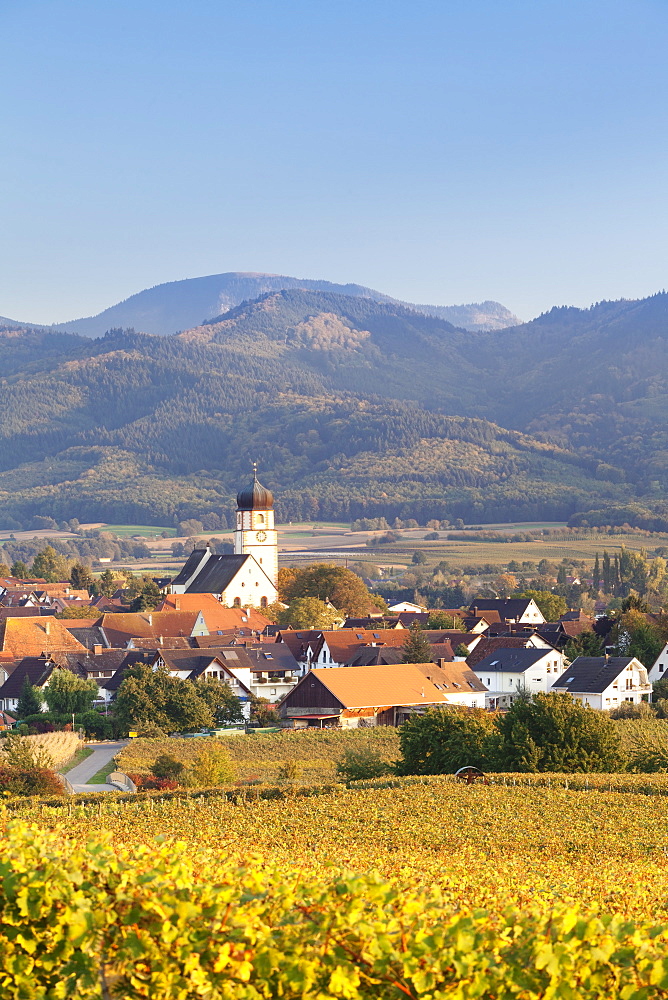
x=261, y=536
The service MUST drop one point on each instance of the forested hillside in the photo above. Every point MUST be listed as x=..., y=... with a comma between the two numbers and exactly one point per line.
x=352, y=408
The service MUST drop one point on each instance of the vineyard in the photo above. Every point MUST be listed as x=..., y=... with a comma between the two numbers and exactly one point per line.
x=260, y=757
x=536, y=886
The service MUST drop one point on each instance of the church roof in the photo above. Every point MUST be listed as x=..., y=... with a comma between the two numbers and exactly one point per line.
x=217, y=574
x=255, y=496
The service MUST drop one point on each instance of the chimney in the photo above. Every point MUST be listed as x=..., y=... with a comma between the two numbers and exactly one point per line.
x=150, y=619
x=47, y=627
x=177, y=604
x=97, y=649
x=161, y=640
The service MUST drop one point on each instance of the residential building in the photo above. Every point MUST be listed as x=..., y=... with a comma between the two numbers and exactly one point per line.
x=508, y=671
x=605, y=682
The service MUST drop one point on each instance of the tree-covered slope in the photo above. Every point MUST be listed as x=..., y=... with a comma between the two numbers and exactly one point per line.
x=351, y=406
x=346, y=403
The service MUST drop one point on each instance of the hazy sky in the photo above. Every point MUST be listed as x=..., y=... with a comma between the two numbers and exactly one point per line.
x=437, y=150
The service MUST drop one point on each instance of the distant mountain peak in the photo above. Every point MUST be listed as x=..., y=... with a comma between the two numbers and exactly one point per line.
x=168, y=308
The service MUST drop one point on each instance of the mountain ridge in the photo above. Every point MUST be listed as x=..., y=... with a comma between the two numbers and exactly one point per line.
x=173, y=306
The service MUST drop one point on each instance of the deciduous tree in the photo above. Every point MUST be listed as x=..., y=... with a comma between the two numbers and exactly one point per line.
x=66, y=692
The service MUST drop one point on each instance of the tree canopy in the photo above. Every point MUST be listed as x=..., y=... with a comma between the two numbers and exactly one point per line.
x=554, y=732
x=307, y=612
x=67, y=693
x=340, y=587
x=551, y=606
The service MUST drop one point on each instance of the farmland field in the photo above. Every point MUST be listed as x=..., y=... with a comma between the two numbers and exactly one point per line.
x=303, y=543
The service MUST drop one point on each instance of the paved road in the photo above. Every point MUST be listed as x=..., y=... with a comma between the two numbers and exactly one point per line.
x=102, y=754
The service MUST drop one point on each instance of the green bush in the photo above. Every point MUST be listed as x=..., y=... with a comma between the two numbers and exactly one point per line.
x=168, y=767
x=362, y=762
x=445, y=739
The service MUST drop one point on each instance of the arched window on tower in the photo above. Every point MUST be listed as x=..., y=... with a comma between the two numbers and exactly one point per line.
x=260, y=518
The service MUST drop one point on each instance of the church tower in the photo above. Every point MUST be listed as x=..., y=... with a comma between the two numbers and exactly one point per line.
x=255, y=534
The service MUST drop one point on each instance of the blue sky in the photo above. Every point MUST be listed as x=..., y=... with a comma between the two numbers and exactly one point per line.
x=441, y=152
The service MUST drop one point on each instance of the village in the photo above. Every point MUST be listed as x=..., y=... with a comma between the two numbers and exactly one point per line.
x=376, y=669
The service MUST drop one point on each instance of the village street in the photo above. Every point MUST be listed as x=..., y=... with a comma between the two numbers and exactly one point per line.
x=102, y=754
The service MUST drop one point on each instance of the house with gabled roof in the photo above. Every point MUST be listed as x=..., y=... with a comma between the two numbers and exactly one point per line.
x=659, y=669
x=511, y=610
x=336, y=647
x=378, y=696
x=121, y=629
x=37, y=669
x=491, y=644
x=192, y=664
x=509, y=671
x=36, y=636
x=605, y=682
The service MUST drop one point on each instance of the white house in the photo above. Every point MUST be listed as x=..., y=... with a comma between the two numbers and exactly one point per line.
x=405, y=606
x=508, y=671
x=605, y=682
x=659, y=668
x=511, y=610
x=190, y=664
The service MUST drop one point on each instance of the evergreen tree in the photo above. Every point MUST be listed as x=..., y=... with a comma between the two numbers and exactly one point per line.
x=107, y=584
x=587, y=643
x=616, y=579
x=81, y=577
x=596, y=582
x=30, y=702
x=607, y=573
x=417, y=649
x=20, y=570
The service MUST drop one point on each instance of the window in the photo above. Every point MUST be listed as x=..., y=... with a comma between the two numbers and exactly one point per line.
x=263, y=600
x=488, y=682
x=237, y=602
x=661, y=668
x=243, y=584
x=268, y=656
x=273, y=691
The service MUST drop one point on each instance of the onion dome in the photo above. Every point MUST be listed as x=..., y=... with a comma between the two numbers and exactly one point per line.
x=255, y=496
